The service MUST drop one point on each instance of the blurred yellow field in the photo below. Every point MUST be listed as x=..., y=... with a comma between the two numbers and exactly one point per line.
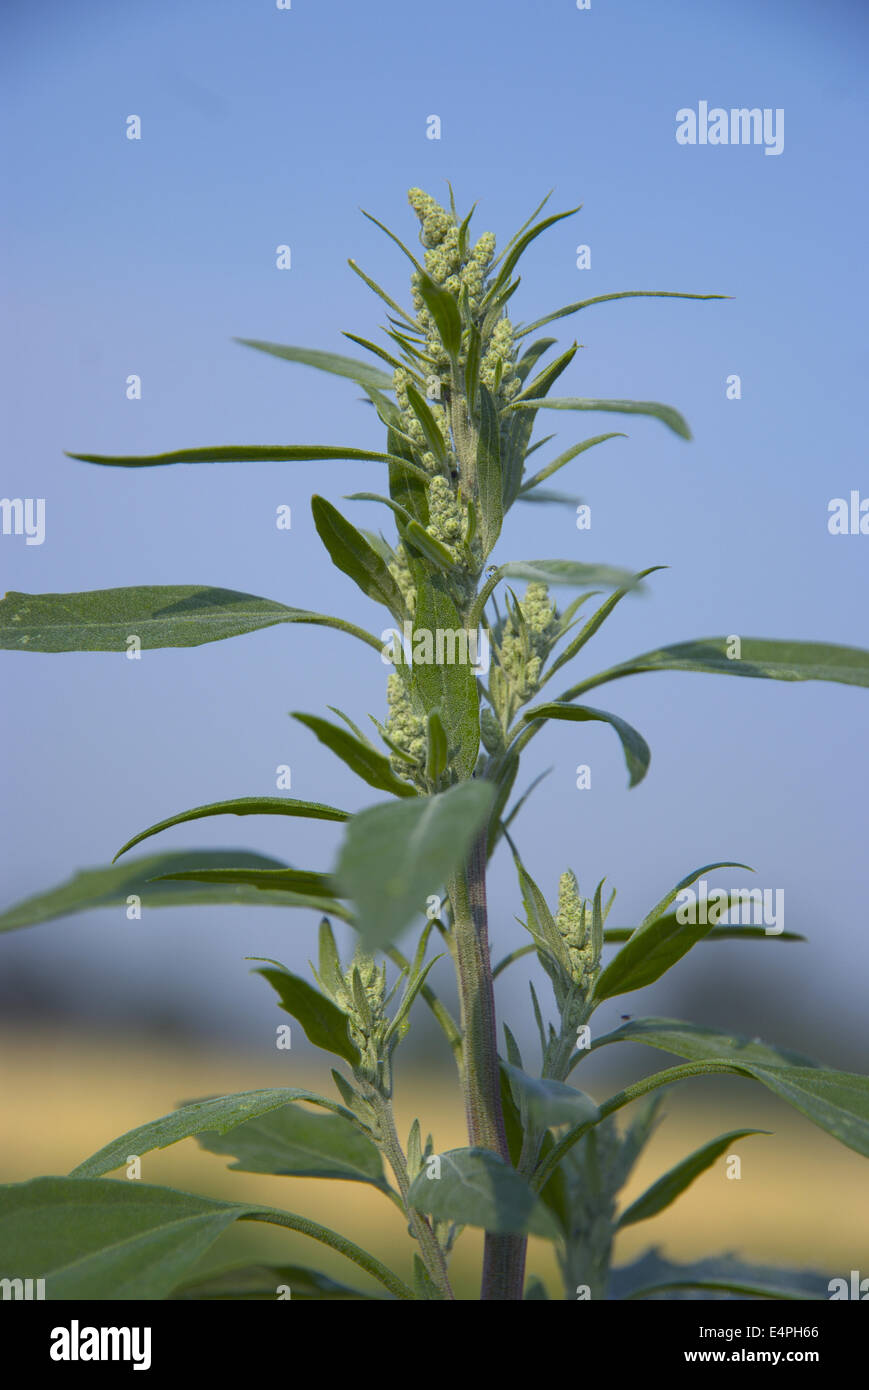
x=802, y=1199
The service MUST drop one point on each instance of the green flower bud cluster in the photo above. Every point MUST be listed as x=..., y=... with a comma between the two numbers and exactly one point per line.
x=571, y=958
x=405, y=727
x=460, y=274
x=497, y=366
x=523, y=645
x=399, y=568
x=447, y=518
x=362, y=995
x=573, y=920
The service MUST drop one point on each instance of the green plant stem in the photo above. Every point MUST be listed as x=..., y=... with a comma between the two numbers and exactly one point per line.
x=430, y=1249
x=503, y=1272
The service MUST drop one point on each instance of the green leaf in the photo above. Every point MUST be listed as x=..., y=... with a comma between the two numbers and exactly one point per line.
x=551, y=1102
x=542, y=384
x=395, y=855
x=427, y=545
x=472, y=365
x=720, y=1277
x=489, y=479
x=351, y=553
x=665, y=413
x=541, y=923
x=544, y=495
x=108, y=1240
x=160, y=615
x=242, y=806
x=760, y=657
x=102, y=1239
x=248, y=453
x=651, y=950
x=361, y=372
x=836, y=1101
x=247, y=1282
x=317, y=888
x=428, y=424
x=565, y=458
x=295, y=1143
x=661, y=907
x=477, y=1188
x=218, y=1114
x=531, y=356
x=445, y=311
x=324, y=1023
x=636, y=750
x=372, y=285
x=674, y=1182
x=571, y=572
x=360, y=757
x=602, y=299
x=149, y=880
x=450, y=687
x=523, y=242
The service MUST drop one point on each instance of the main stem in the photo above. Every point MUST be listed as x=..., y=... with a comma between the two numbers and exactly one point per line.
x=504, y=1256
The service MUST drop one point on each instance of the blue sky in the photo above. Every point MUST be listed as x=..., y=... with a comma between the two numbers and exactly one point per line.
x=262, y=127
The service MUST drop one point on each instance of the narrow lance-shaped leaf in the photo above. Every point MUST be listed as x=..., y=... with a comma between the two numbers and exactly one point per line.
x=147, y=882
x=242, y=806
x=428, y=424
x=524, y=241
x=680, y=1177
x=572, y=572
x=836, y=1101
x=489, y=479
x=565, y=458
x=361, y=372
x=652, y=950
x=360, y=757
x=248, y=453
x=158, y=615
x=603, y=298
x=317, y=889
x=665, y=413
x=758, y=657
x=219, y=1114
x=445, y=312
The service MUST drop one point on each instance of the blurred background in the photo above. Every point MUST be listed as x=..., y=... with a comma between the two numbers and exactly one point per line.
x=263, y=127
